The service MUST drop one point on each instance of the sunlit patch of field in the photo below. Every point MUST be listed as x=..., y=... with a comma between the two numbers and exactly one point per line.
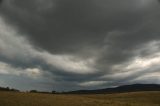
x=121, y=99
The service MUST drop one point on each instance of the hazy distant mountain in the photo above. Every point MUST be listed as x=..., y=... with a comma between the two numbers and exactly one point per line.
x=121, y=89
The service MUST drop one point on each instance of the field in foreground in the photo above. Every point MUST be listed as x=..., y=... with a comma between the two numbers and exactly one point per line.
x=122, y=99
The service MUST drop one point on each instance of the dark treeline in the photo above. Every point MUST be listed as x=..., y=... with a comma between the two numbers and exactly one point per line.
x=36, y=91
x=8, y=89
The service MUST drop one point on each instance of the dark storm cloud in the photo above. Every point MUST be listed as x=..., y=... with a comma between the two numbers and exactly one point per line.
x=110, y=31
x=74, y=23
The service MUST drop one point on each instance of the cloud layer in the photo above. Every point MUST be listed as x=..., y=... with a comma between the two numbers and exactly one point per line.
x=79, y=44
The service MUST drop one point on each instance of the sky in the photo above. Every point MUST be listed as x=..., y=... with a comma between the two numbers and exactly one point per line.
x=67, y=45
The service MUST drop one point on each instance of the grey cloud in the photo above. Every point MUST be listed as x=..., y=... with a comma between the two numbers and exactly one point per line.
x=108, y=32
x=73, y=23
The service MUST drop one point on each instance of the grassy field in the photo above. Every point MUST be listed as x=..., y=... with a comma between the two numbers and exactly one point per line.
x=123, y=99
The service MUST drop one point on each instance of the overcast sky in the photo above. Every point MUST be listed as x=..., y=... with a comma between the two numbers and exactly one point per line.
x=78, y=44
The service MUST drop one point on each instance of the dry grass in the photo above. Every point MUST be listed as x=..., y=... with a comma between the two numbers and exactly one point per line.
x=123, y=99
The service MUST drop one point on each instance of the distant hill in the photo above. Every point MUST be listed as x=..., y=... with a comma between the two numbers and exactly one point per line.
x=120, y=89
x=8, y=89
